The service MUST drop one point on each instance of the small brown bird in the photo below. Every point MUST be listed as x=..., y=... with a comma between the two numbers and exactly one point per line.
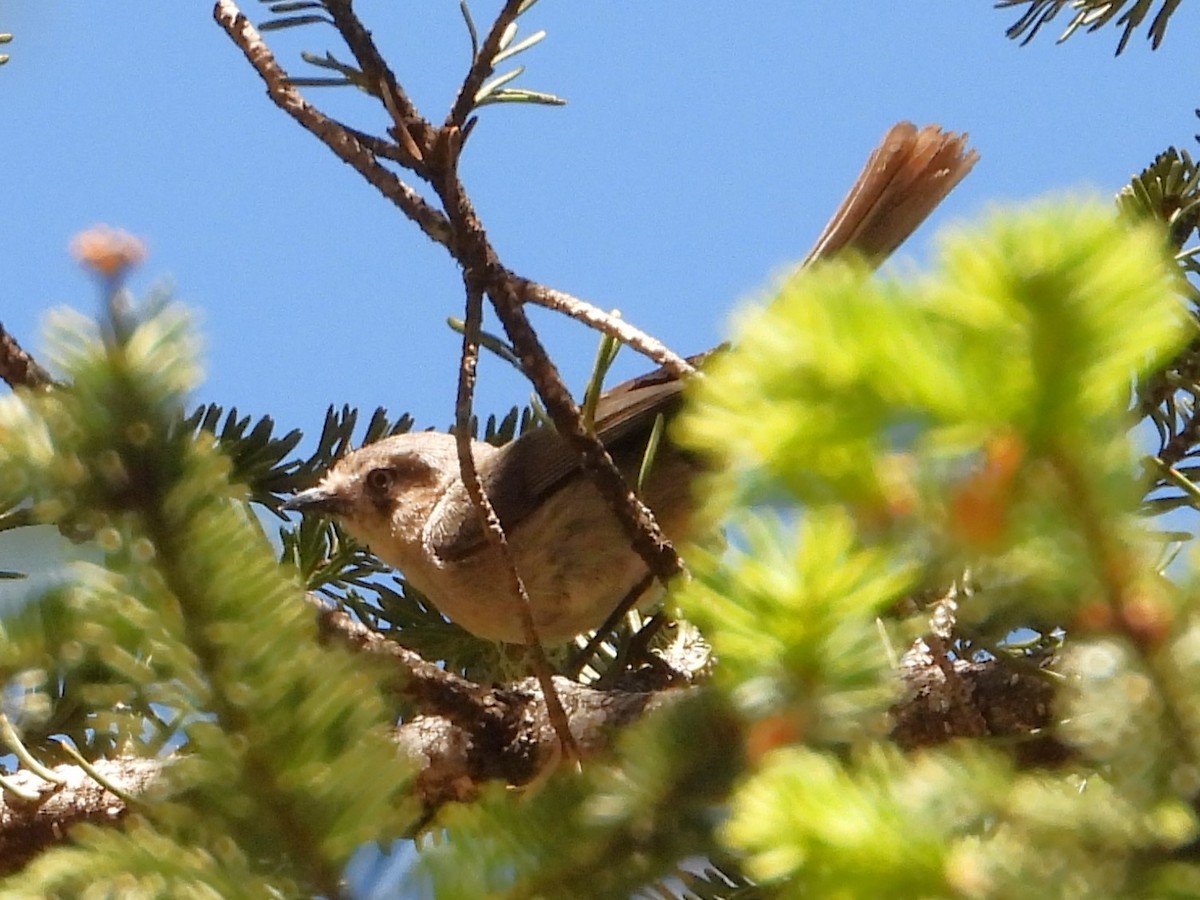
x=404, y=498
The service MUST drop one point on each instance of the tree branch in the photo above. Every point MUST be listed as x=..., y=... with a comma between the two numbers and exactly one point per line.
x=992, y=699
x=516, y=595
x=18, y=368
x=483, y=271
x=410, y=128
x=605, y=323
x=28, y=827
x=467, y=735
x=481, y=66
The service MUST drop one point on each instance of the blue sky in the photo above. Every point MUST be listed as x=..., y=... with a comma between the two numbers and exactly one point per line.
x=700, y=154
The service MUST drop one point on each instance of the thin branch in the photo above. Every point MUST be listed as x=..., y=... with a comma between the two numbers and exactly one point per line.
x=1169, y=476
x=13, y=742
x=484, y=271
x=410, y=128
x=584, y=656
x=606, y=323
x=635, y=517
x=481, y=66
x=344, y=145
x=18, y=368
x=517, y=595
x=377, y=145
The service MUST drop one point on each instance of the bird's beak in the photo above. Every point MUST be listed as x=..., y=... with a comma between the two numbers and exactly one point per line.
x=319, y=499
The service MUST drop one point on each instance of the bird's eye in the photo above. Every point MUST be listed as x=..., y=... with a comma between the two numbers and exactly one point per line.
x=379, y=481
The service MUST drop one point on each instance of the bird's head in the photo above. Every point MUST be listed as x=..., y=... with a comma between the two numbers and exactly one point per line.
x=385, y=493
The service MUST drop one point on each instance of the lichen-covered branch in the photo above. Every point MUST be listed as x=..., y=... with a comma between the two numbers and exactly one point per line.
x=467, y=734
x=28, y=827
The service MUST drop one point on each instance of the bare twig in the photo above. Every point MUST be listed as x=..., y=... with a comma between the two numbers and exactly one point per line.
x=517, y=595
x=18, y=368
x=635, y=517
x=584, y=656
x=606, y=323
x=410, y=128
x=480, y=265
x=13, y=742
x=377, y=145
x=337, y=138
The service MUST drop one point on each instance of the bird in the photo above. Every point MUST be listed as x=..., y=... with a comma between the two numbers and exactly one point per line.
x=404, y=498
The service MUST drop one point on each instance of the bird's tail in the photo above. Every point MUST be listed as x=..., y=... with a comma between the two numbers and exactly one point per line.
x=906, y=177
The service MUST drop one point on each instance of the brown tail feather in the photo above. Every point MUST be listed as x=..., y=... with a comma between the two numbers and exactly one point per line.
x=907, y=176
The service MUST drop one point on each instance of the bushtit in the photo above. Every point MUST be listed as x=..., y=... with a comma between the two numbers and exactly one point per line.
x=404, y=498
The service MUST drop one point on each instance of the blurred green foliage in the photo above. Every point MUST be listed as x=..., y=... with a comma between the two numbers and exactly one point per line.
x=189, y=643
x=873, y=439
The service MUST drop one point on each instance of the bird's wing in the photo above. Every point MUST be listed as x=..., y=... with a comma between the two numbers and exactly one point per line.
x=904, y=179
x=539, y=462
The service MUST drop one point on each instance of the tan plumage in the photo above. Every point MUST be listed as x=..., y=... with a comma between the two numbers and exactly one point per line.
x=404, y=498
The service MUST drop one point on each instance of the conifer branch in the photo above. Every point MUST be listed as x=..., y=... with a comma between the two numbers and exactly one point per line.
x=468, y=734
x=992, y=699
x=411, y=131
x=1091, y=15
x=482, y=65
